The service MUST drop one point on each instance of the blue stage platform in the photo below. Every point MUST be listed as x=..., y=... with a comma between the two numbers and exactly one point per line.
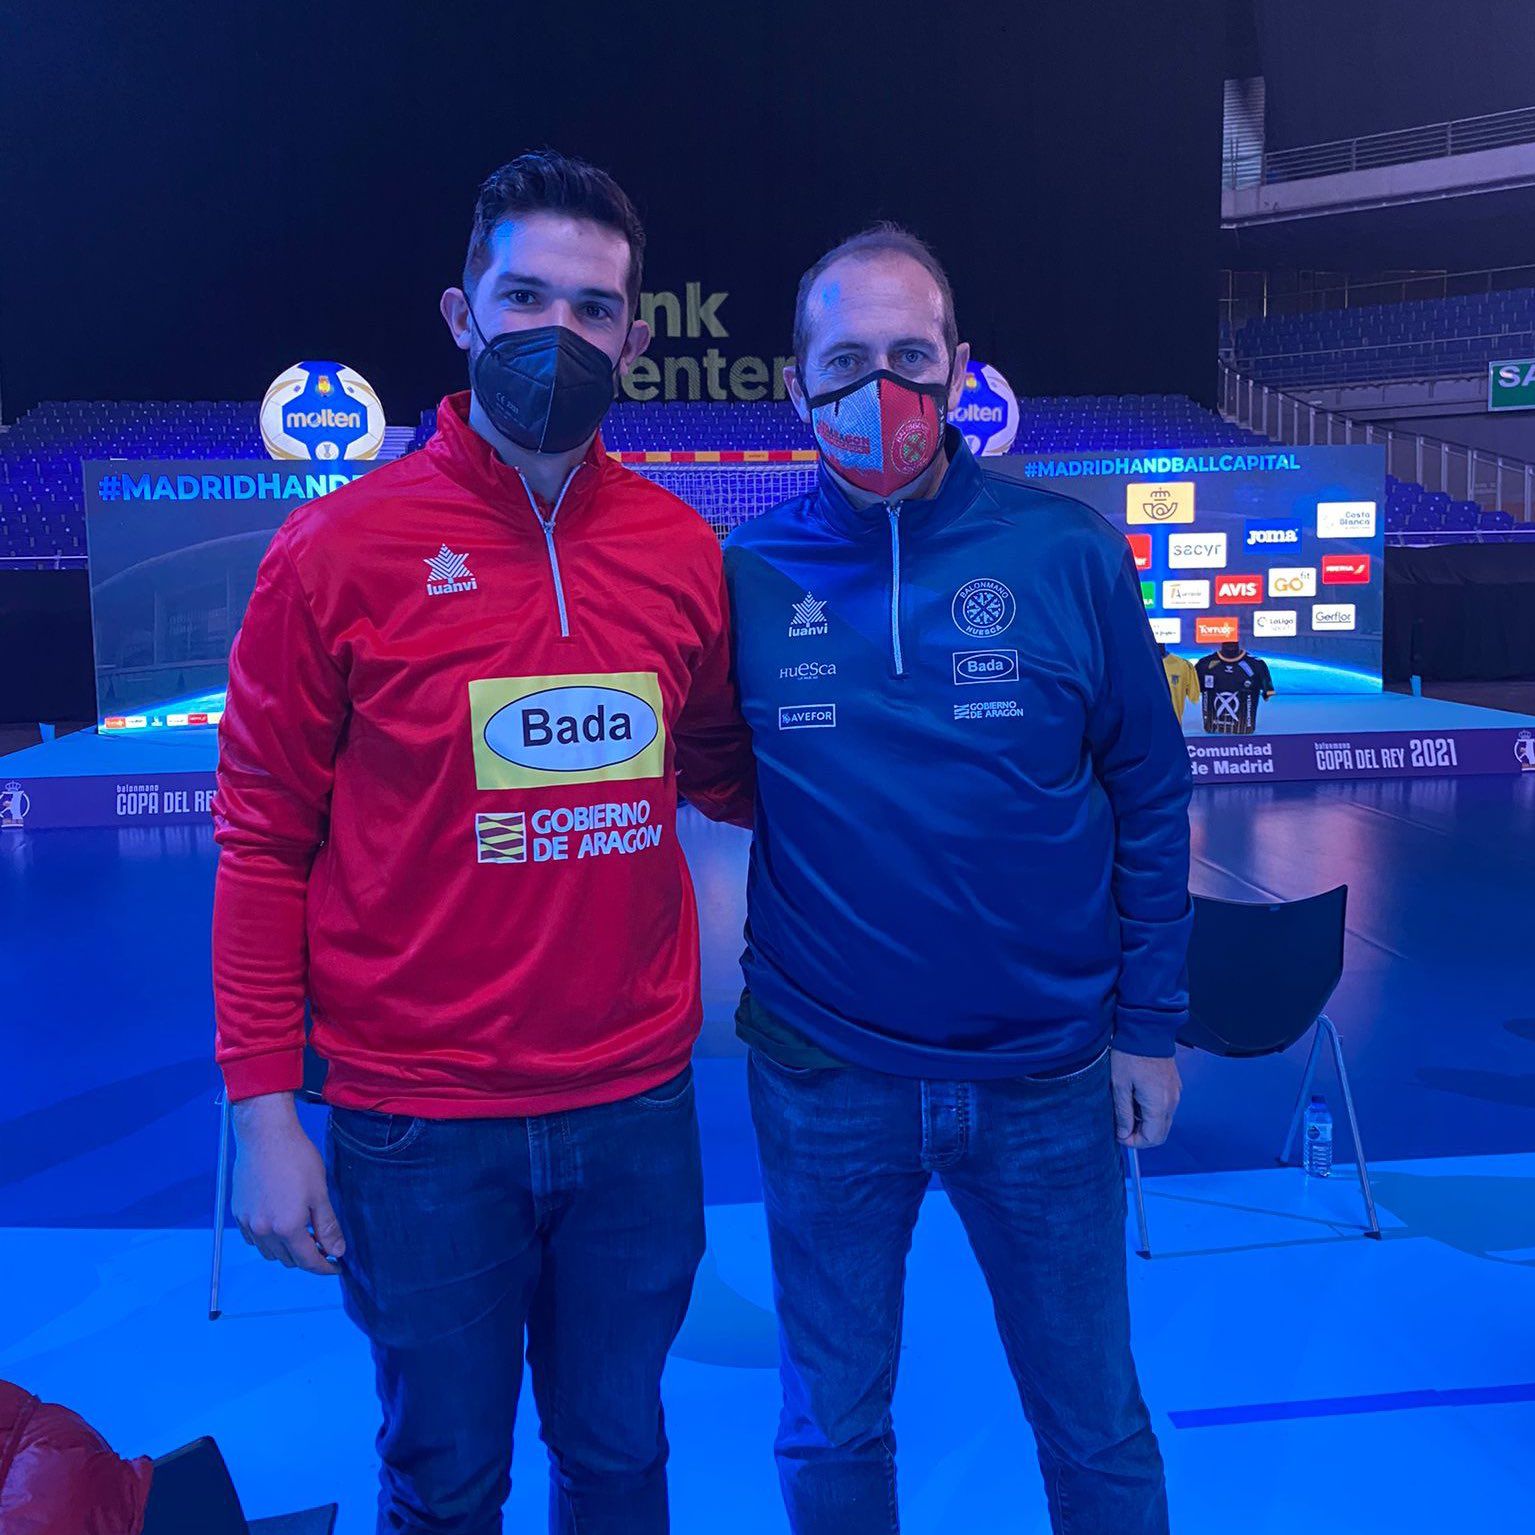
x=158, y=777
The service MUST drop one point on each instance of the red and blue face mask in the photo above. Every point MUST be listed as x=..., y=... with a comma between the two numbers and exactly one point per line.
x=881, y=432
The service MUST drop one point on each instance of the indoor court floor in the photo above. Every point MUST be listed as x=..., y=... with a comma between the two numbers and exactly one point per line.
x=1366, y=1386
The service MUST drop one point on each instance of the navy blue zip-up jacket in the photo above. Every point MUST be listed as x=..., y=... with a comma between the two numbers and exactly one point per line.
x=971, y=845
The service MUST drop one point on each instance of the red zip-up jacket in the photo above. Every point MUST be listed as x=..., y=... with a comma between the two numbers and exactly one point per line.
x=449, y=765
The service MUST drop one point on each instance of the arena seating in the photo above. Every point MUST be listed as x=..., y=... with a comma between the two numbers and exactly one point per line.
x=1431, y=338
x=41, y=515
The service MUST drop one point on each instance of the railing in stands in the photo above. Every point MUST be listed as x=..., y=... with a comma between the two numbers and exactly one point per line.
x=1432, y=141
x=1252, y=295
x=1379, y=360
x=1464, y=474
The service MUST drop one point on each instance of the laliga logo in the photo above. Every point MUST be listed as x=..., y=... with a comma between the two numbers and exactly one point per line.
x=987, y=413
x=321, y=410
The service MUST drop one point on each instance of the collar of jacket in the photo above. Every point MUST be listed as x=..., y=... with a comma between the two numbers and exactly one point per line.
x=960, y=486
x=462, y=454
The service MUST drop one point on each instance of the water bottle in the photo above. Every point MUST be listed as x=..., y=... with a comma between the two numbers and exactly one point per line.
x=1318, y=1129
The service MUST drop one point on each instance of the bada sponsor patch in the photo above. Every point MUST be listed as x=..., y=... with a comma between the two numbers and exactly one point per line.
x=973, y=666
x=531, y=732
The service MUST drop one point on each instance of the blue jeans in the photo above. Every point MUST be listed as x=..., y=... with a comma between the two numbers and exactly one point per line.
x=1034, y=1172
x=579, y=1232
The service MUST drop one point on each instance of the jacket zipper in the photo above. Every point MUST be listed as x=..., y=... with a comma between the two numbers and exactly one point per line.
x=547, y=524
x=894, y=514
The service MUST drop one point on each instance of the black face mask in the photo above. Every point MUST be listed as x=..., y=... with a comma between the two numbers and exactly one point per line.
x=1231, y=649
x=545, y=390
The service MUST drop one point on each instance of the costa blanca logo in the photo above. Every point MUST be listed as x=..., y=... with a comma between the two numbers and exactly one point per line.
x=448, y=572
x=1196, y=551
x=983, y=607
x=321, y=410
x=809, y=619
x=987, y=413
x=977, y=666
x=591, y=728
x=1524, y=751
x=14, y=805
x=1345, y=519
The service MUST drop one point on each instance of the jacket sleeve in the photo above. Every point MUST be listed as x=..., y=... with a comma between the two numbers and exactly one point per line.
x=715, y=773
x=1141, y=761
x=283, y=717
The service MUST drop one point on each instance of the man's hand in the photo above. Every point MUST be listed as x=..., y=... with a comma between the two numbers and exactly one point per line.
x=280, y=1197
x=1146, y=1093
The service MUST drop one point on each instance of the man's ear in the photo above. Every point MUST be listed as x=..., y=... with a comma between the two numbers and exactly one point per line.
x=796, y=390
x=957, y=377
x=634, y=345
x=454, y=305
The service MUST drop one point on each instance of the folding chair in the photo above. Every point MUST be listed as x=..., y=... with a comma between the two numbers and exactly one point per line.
x=311, y=1092
x=1259, y=977
x=192, y=1493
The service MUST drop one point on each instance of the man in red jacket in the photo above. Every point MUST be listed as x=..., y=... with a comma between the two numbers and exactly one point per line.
x=467, y=692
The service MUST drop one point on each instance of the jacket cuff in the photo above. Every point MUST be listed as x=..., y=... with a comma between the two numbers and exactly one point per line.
x=1137, y=1032
x=274, y=1071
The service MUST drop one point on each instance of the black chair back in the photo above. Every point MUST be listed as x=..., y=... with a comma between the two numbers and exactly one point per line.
x=1261, y=974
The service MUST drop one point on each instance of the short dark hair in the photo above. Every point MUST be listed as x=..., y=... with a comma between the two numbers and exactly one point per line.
x=545, y=181
x=877, y=239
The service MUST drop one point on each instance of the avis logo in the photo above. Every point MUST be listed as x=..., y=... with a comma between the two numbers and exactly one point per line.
x=976, y=666
x=1234, y=589
x=572, y=729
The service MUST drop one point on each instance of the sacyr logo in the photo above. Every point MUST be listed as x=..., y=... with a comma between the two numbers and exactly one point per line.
x=591, y=728
x=973, y=666
x=321, y=410
x=1196, y=551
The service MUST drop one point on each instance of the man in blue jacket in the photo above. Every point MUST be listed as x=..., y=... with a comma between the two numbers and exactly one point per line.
x=969, y=905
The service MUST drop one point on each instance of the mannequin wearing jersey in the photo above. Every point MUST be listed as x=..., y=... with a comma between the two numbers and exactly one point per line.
x=1232, y=684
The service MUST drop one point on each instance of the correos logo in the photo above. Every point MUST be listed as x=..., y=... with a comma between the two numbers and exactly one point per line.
x=321, y=410
x=531, y=731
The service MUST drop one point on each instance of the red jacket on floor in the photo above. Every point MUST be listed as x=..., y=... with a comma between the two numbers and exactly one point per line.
x=58, y=1476
x=449, y=764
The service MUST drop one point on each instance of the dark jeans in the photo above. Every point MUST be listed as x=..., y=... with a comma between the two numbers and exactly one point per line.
x=1035, y=1174
x=578, y=1231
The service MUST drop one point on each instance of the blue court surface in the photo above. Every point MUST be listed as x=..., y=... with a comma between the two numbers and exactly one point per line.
x=1298, y=1374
